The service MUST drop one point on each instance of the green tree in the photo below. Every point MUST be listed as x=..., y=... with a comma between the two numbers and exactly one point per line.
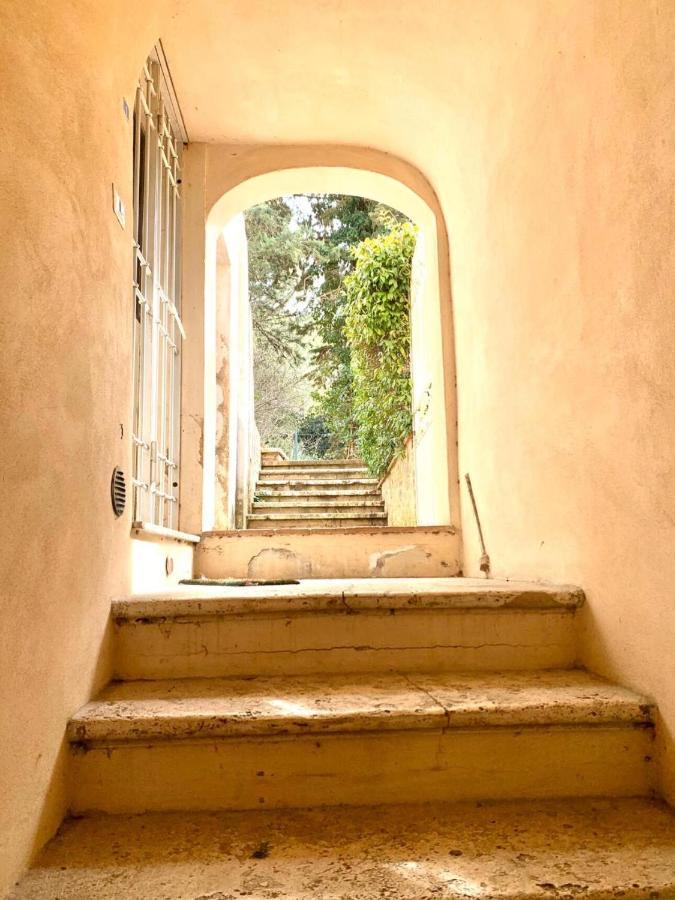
x=277, y=258
x=377, y=327
x=338, y=223
x=277, y=251
x=300, y=253
x=281, y=398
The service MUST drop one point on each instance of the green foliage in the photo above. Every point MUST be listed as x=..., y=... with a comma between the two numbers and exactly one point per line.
x=377, y=328
x=339, y=223
x=315, y=438
x=281, y=398
x=300, y=254
x=277, y=259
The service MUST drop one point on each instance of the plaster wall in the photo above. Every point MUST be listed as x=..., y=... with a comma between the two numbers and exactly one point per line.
x=398, y=488
x=560, y=210
x=231, y=451
x=431, y=392
x=222, y=480
x=65, y=370
x=159, y=564
x=241, y=387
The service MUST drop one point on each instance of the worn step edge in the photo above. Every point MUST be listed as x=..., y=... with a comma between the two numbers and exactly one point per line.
x=371, y=514
x=319, y=482
x=318, y=463
x=350, y=597
x=318, y=474
x=287, y=469
x=289, y=510
x=319, y=521
x=356, y=495
x=203, y=709
x=400, y=530
x=305, y=503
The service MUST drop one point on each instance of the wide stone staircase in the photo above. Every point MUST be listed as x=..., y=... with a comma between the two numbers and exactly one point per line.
x=358, y=738
x=316, y=494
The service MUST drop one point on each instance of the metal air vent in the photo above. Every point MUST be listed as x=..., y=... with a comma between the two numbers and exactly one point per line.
x=118, y=491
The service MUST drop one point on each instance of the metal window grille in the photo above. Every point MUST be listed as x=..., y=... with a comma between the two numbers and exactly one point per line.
x=158, y=330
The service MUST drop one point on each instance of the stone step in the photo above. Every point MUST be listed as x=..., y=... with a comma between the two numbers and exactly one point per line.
x=272, y=455
x=333, y=484
x=318, y=519
x=272, y=492
x=329, y=553
x=318, y=504
x=324, y=474
x=314, y=741
x=315, y=464
x=326, y=513
x=346, y=625
x=596, y=849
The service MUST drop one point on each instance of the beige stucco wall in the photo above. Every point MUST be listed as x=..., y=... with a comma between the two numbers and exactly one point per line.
x=398, y=487
x=432, y=389
x=159, y=563
x=563, y=266
x=65, y=270
x=230, y=457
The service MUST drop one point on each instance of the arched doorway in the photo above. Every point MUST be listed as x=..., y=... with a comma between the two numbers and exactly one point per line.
x=220, y=189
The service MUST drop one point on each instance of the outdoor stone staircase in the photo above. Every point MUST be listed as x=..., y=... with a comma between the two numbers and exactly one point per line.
x=316, y=494
x=327, y=704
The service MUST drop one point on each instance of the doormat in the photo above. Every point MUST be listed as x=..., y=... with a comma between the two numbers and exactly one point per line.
x=237, y=582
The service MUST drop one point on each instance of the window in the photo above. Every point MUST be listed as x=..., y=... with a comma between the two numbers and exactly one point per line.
x=158, y=331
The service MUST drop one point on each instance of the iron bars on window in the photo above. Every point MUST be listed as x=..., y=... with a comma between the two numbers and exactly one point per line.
x=158, y=330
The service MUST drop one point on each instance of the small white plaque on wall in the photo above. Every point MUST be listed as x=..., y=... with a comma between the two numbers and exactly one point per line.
x=119, y=207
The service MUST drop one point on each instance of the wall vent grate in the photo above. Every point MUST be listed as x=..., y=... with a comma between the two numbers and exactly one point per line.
x=118, y=491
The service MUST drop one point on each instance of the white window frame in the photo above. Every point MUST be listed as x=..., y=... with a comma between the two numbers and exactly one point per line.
x=159, y=135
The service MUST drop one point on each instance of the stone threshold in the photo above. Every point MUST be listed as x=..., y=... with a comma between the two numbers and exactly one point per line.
x=355, y=595
x=358, y=529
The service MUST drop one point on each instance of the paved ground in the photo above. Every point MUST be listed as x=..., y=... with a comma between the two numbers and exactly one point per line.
x=563, y=849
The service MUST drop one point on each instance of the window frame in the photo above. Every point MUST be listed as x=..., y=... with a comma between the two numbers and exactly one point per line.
x=158, y=138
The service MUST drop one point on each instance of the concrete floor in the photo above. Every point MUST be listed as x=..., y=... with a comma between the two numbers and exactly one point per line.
x=563, y=849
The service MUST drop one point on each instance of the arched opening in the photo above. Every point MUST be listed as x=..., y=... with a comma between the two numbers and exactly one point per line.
x=228, y=448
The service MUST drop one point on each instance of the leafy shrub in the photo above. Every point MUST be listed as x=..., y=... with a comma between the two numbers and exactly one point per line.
x=315, y=438
x=377, y=327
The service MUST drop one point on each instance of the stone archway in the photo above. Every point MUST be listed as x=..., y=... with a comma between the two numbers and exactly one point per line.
x=221, y=183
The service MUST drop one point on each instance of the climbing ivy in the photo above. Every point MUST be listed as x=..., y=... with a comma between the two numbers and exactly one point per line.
x=377, y=328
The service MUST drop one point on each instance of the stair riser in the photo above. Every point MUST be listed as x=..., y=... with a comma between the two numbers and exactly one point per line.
x=299, y=522
x=405, y=553
x=362, y=769
x=290, y=512
x=274, y=493
x=305, y=486
x=314, y=464
x=425, y=641
x=323, y=475
x=317, y=506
